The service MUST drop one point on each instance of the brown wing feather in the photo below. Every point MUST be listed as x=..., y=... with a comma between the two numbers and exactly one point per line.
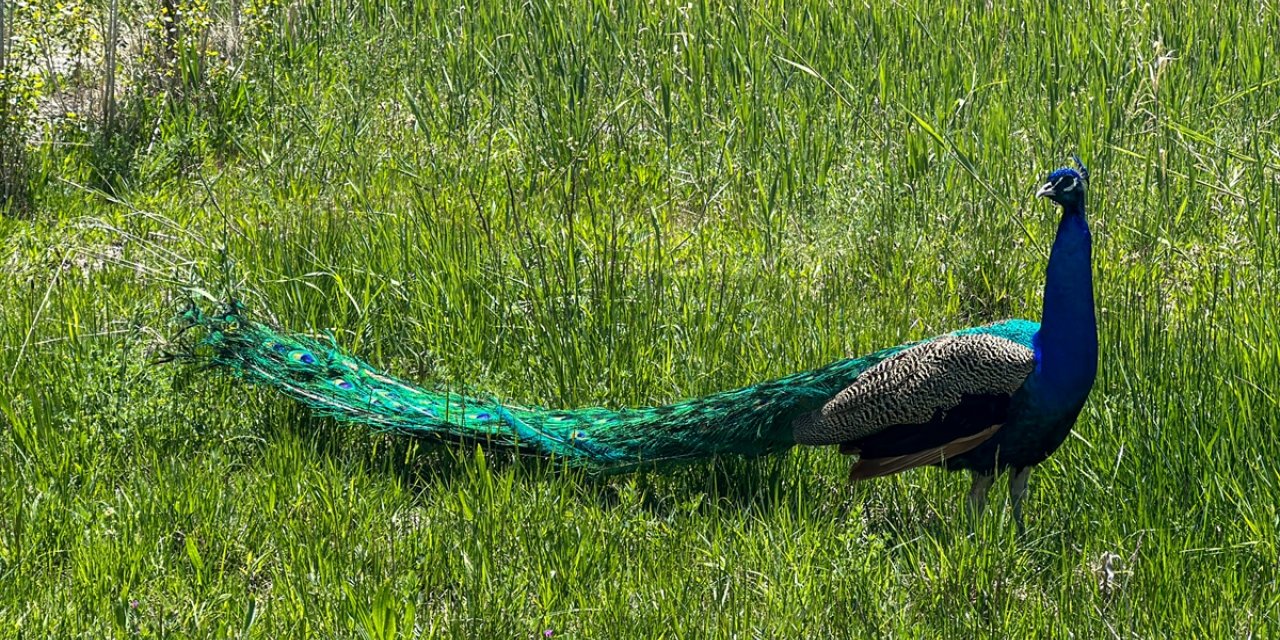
x=912, y=386
x=876, y=467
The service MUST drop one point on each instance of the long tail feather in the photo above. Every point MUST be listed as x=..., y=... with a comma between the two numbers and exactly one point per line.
x=753, y=420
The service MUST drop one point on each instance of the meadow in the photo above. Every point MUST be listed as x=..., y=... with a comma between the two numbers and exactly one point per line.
x=627, y=203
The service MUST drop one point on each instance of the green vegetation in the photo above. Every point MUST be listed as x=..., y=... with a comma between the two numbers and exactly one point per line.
x=621, y=204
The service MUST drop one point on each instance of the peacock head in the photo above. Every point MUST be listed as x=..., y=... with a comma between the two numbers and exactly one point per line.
x=1066, y=186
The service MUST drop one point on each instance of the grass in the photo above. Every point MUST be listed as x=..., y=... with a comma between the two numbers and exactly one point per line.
x=621, y=204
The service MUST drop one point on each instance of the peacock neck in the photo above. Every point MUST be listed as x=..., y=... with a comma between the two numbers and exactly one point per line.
x=1067, y=343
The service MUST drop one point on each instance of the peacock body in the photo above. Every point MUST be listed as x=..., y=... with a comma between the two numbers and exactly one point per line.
x=997, y=397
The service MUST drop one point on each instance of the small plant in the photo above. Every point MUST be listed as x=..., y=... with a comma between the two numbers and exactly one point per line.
x=164, y=93
x=17, y=100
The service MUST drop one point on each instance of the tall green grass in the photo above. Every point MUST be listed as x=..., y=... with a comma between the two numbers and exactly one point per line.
x=623, y=203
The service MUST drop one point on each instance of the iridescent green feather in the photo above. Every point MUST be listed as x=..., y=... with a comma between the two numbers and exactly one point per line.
x=753, y=420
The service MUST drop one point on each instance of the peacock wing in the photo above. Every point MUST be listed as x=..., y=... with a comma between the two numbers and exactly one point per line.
x=934, y=400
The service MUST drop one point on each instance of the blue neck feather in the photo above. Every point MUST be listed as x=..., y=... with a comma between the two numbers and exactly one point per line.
x=1066, y=347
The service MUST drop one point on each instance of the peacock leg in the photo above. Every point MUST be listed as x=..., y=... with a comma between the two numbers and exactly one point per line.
x=978, y=492
x=1017, y=490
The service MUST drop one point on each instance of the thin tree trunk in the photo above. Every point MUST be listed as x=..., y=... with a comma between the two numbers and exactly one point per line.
x=4, y=39
x=109, y=88
x=170, y=9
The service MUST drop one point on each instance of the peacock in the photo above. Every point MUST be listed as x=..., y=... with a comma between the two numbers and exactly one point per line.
x=989, y=399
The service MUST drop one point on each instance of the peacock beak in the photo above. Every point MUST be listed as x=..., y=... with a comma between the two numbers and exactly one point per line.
x=1046, y=190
